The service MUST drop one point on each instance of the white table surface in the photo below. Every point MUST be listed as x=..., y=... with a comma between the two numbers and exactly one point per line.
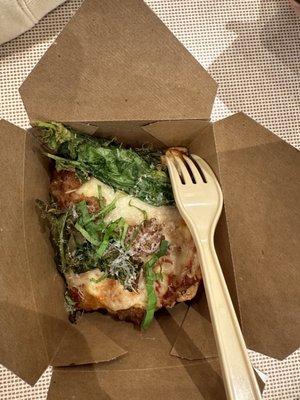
x=251, y=47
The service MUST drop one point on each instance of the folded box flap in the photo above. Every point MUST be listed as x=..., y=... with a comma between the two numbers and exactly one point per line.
x=179, y=132
x=85, y=343
x=116, y=60
x=260, y=174
x=21, y=333
x=136, y=374
x=148, y=361
x=145, y=349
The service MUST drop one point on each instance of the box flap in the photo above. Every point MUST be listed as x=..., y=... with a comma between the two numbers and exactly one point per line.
x=85, y=343
x=148, y=361
x=197, y=328
x=32, y=292
x=134, y=376
x=149, y=349
x=259, y=175
x=46, y=281
x=125, y=65
x=180, y=133
x=20, y=323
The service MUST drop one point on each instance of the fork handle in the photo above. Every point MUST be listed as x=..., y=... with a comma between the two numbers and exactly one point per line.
x=238, y=375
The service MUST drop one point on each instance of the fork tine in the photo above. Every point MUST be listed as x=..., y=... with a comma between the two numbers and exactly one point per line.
x=184, y=172
x=174, y=175
x=194, y=170
x=206, y=170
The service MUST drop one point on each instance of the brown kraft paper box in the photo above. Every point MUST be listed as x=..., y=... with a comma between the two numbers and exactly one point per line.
x=116, y=70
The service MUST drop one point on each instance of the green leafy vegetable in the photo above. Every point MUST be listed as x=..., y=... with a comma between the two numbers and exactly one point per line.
x=69, y=165
x=62, y=221
x=69, y=303
x=107, y=209
x=152, y=157
x=84, y=241
x=144, y=212
x=57, y=222
x=124, y=233
x=119, y=265
x=104, y=244
x=54, y=134
x=138, y=173
x=114, y=230
x=85, y=225
x=99, y=279
x=86, y=235
x=150, y=278
x=84, y=216
x=101, y=198
x=83, y=258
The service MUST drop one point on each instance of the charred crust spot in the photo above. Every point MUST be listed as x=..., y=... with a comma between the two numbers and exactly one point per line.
x=132, y=314
x=63, y=187
x=177, y=288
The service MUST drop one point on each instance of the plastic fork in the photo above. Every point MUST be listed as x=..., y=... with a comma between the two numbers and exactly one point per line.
x=199, y=199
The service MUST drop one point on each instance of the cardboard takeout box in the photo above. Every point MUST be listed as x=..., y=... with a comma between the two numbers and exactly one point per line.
x=116, y=70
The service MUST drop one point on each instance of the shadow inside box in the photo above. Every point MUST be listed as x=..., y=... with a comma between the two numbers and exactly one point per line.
x=29, y=370
x=196, y=359
x=208, y=368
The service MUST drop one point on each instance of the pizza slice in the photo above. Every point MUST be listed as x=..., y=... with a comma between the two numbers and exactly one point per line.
x=116, y=250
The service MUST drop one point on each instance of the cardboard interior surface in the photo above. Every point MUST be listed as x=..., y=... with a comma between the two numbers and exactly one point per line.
x=195, y=381
x=19, y=315
x=86, y=343
x=180, y=339
x=116, y=70
x=147, y=361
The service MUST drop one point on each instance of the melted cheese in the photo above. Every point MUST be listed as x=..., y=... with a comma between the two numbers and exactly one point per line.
x=123, y=209
x=110, y=294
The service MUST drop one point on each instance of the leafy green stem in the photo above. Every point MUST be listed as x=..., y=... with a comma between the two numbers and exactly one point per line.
x=150, y=278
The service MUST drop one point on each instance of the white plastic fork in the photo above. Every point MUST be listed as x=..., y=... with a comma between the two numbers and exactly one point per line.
x=199, y=199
